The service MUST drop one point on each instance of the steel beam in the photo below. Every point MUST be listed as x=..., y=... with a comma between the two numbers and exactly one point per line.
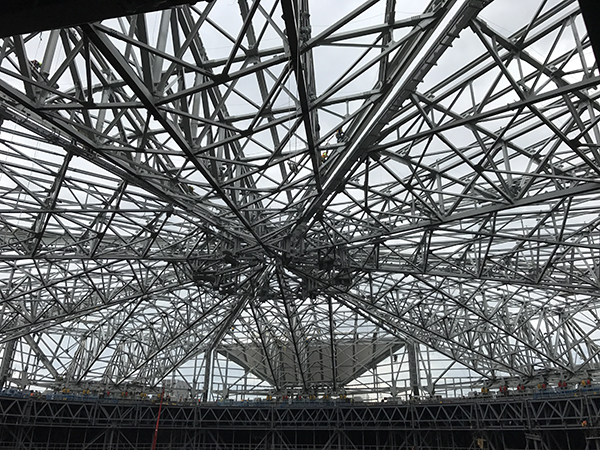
x=591, y=15
x=31, y=16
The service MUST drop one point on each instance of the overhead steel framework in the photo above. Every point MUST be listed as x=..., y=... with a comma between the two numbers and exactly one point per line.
x=288, y=197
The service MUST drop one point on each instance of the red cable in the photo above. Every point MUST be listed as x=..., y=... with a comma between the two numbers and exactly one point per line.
x=158, y=420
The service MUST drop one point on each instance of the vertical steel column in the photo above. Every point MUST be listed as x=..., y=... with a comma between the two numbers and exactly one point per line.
x=208, y=364
x=394, y=388
x=591, y=15
x=109, y=437
x=7, y=357
x=333, y=347
x=413, y=367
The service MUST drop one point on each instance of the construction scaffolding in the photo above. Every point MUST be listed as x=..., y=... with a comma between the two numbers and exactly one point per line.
x=557, y=421
x=282, y=199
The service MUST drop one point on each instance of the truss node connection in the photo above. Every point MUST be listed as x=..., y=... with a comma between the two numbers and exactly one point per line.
x=267, y=198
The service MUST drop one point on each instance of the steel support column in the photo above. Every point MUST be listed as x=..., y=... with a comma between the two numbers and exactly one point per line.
x=7, y=358
x=591, y=16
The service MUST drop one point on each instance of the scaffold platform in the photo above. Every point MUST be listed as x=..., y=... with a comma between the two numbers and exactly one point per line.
x=558, y=421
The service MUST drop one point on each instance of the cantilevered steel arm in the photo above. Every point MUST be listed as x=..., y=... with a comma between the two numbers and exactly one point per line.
x=28, y=16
